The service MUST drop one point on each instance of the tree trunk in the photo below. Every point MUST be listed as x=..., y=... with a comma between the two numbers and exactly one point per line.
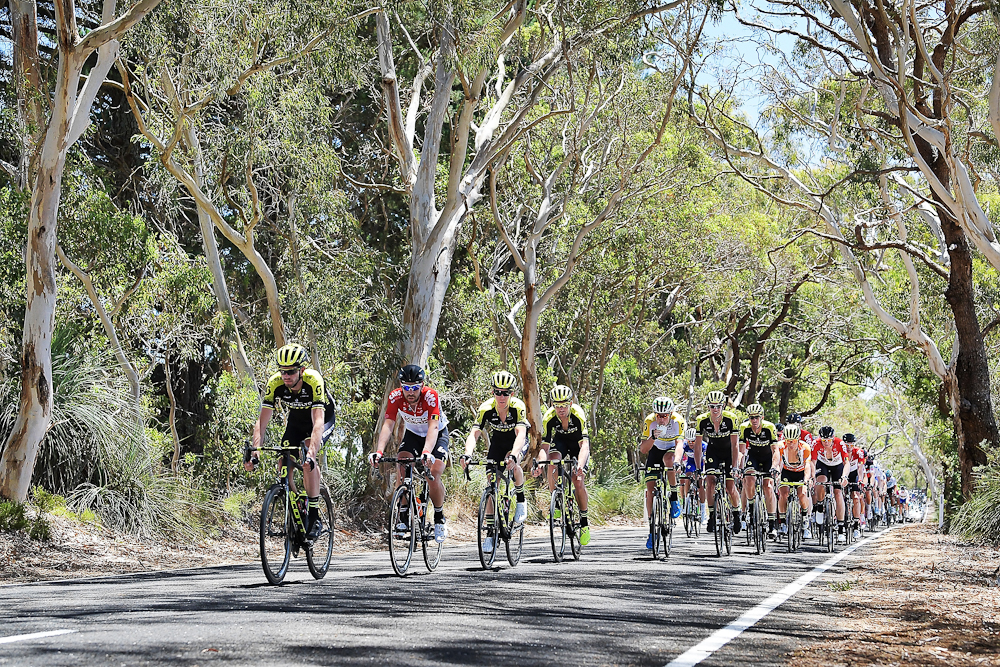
x=430, y=274
x=530, y=391
x=27, y=84
x=175, y=461
x=969, y=392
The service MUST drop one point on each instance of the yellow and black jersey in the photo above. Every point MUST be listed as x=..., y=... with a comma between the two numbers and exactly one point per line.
x=768, y=434
x=312, y=394
x=489, y=416
x=573, y=432
x=664, y=436
x=717, y=436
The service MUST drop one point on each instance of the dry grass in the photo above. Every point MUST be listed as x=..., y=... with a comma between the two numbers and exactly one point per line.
x=921, y=599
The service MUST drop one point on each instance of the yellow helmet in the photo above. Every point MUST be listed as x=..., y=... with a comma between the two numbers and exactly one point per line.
x=504, y=380
x=755, y=410
x=561, y=394
x=292, y=356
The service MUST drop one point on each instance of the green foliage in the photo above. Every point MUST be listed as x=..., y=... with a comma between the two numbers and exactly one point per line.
x=15, y=518
x=978, y=520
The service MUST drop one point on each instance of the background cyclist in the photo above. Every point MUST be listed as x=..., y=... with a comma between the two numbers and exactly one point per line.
x=758, y=437
x=661, y=442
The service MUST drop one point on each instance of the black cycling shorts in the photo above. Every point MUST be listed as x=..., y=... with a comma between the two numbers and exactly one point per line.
x=298, y=431
x=832, y=473
x=793, y=476
x=414, y=444
x=500, y=447
x=654, y=458
x=759, y=459
x=720, y=458
x=568, y=450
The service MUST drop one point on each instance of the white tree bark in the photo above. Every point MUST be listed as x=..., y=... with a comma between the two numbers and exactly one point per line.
x=69, y=117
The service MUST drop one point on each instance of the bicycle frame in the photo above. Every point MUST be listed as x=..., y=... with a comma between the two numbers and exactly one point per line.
x=415, y=507
x=723, y=514
x=498, y=493
x=659, y=527
x=563, y=502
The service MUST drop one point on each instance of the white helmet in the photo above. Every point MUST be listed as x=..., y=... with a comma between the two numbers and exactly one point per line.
x=662, y=405
x=793, y=432
x=716, y=398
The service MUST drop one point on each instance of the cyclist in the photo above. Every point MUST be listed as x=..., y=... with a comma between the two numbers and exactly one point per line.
x=792, y=457
x=310, y=420
x=426, y=435
x=719, y=427
x=507, y=418
x=661, y=442
x=757, y=439
x=830, y=457
x=564, y=434
x=876, y=484
x=854, y=465
x=690, y=470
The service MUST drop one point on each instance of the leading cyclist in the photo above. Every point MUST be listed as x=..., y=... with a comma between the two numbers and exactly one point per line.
x=310, y=420
x=719, y=427
x=661, y=442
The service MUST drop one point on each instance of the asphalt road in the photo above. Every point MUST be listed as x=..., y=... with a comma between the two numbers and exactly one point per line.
x=616, y=606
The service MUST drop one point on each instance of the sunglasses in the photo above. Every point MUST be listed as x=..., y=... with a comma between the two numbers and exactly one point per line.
x=715, y=406
x=290, y=373
x=501, y=392
x=411, y=387
x=662, y=414
x=755, y=417
x=562, y=404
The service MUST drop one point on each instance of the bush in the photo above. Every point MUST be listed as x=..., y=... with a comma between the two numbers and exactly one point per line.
x=14, y=518
x=978, y=520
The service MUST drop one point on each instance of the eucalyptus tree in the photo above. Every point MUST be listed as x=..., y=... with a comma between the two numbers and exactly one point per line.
x=54, y=119
x=884, y=129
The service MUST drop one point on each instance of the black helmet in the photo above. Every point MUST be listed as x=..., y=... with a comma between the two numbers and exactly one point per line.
x=411, y=374
x=779, y=427
x=795, y=418
x=848, y=437
x=826, y=432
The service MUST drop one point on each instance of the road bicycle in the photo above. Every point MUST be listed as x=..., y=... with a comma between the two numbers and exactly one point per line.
x=723, y=519
x=827, y=531
x=661, y=524
x=283, y=530
x=408, y=518
x=794, y=521
x=757, y=514
x=493, y=525
x=564, y=518
x=691, y=512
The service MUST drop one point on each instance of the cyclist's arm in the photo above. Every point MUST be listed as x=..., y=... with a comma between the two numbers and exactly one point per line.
x=384, y=435
x=697, y=451
x=584, y=453
x=470, y=442
x=734, y=442
x=316, y=441
x=260, y=427
x=520, y=441
x=432, y=434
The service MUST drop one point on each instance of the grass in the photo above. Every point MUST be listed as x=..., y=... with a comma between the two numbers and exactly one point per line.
x=978, y=520
x=16, y=517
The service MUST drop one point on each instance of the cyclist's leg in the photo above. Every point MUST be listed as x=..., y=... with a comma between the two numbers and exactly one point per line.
x=653, y=458
x=435, y=487
x=556, y=452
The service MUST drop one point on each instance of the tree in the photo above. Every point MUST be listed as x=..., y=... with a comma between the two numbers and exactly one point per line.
x=68, y=115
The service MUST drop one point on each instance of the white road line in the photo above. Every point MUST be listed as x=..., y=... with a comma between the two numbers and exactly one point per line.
x=723, y=636
x=34, y=635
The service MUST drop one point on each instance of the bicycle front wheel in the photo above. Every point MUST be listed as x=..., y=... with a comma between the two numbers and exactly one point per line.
x=319, y=553
x=830, y=525
x=689, y=516
x=727, y=525
x=557, y=528
x=720, y=531
x=486, y=529
x=572, y=519
x=402, y=530
x=515, y=533
x=655, y=516
x=275, y=534
x=666, y=529
x=431, y=547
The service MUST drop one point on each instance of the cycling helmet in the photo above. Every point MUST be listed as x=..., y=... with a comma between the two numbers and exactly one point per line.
x=716, y=398
x=755, y=410
x=663, y=404
x=292, y=356
x=503, y=380
x=690, y=434
x=848, y=437
x=826, y=432
x=411, y=374
x=779, y=427
x=795, y=418
x=561, y=394
x=792, y=432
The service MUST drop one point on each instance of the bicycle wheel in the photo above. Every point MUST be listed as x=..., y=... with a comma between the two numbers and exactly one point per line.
x=319, y=553
x=655, y=517
x=830, y=524
x=275, y=534
x=761, y=524
x=515, y=534
x=696, y=512
x=689, y=516
x=557, y=527
x=727, y=526
x=666, y=529
x=486, y=529
x=719, y=532
x=431, y=547
x=790, y=522
x=572, y=519
x=402, y=530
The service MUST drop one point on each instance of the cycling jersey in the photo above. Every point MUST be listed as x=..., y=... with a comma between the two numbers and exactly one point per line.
x=416, y=417
x=794, y=455
x=502, y=431
x=767, y=436
x=688, y=456
x=300, y=403
x=857, y=455
x=565, y=439
x=890, y=480
x=665, y=436
x=719, y=452
x=836, y=454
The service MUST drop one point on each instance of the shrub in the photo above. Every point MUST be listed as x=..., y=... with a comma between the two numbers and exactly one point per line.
x=978, y=520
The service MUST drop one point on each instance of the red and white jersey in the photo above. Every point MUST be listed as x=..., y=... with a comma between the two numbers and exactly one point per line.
x=832, y=455
x=417, y=417
x=858, y=457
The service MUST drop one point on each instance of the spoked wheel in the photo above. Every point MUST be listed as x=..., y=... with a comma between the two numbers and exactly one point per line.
x=690, y=520
x=557, y=529
x=719, y=532
x=431, y=547
x=655, y=517
x=572, y=521
x=318, y=554
x=402, y=530
x=515, y=533
x=486, y=530
x=761, y=525
x=275, y=535
x=790, y=524
x=727, y=525
x=667, y=532
x=830, y=526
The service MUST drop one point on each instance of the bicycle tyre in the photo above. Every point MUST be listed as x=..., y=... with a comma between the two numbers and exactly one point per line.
x=402, y=543
x=790, y=523
x=762, y=524
x=719, y=531
x=572, y=518
x=514, y=544
x=319, y=553
x=727, y=527
x=557, y=527
x=655, y=516
x=430, y=546
x=688, y=516
x=485, y=530
x=666, y=528
x=830, y=524
x=275, y=534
